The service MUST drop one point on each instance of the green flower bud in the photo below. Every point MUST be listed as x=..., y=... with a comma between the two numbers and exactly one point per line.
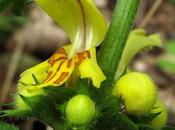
x=160, y=120
x=80, y=110
x=137, y=91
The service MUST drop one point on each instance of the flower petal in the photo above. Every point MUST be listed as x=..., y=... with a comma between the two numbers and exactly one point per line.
x=60, y=68
x=39, y=71
x=60, y=72
x=137, y=40
x=81, y=20
x=89, y=69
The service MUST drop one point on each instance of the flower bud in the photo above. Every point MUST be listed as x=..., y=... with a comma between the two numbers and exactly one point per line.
x=160, y=120
x=137, y=91
x=80, y=110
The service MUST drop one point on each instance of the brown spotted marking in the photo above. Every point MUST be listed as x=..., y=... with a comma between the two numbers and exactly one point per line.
x=60, y=54
x=69, y=63
x=48, y=76
x=46, y=81
x=88, y=54
x=80, y=57
x=62, y=77
x=61, y=51
x=53, y=61
x=60, y=65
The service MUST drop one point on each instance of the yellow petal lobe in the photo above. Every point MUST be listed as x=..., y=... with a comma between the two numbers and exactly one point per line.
x=89, y=69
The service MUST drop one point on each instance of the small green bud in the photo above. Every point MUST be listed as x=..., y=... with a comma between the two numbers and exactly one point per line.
x=137, y=91
x=80, y=110
x=160, y=120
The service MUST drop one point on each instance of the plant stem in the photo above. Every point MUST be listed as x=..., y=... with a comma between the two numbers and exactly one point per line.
x=113, y=45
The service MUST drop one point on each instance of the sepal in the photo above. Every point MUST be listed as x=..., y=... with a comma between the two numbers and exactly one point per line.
x=16, y=113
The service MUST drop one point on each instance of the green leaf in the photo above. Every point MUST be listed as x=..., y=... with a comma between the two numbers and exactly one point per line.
x=81, y=20
x=60, y=94
x=81, y=87
x=17, y=5
x=110, y=117
x=44, y=109
x=5, y=126
x=143, y=119
x=16, y=113
x=116, y=121
x=137, y=40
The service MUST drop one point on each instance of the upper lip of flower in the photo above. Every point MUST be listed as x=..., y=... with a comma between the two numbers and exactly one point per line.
x=80, y=19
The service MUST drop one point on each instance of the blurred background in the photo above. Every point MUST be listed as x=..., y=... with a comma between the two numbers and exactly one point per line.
x=28, y=36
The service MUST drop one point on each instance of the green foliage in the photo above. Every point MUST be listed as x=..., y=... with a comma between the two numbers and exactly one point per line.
x=17, y=18
x=4, y=126
x=167, y=65
x=16, y=113
x=172, y=1
x=144, y=127
x=166, y=62
x=9, y=23
x=168, y=128
x=115, y=121
x=42, y=108
x=170, y=48
x=16, y=5
x=5, y=3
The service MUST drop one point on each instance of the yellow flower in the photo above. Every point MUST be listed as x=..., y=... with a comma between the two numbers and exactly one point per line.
x=61, y=67
x=86, y=28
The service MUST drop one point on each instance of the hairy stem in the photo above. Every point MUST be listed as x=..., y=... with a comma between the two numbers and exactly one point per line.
x=113, y=45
